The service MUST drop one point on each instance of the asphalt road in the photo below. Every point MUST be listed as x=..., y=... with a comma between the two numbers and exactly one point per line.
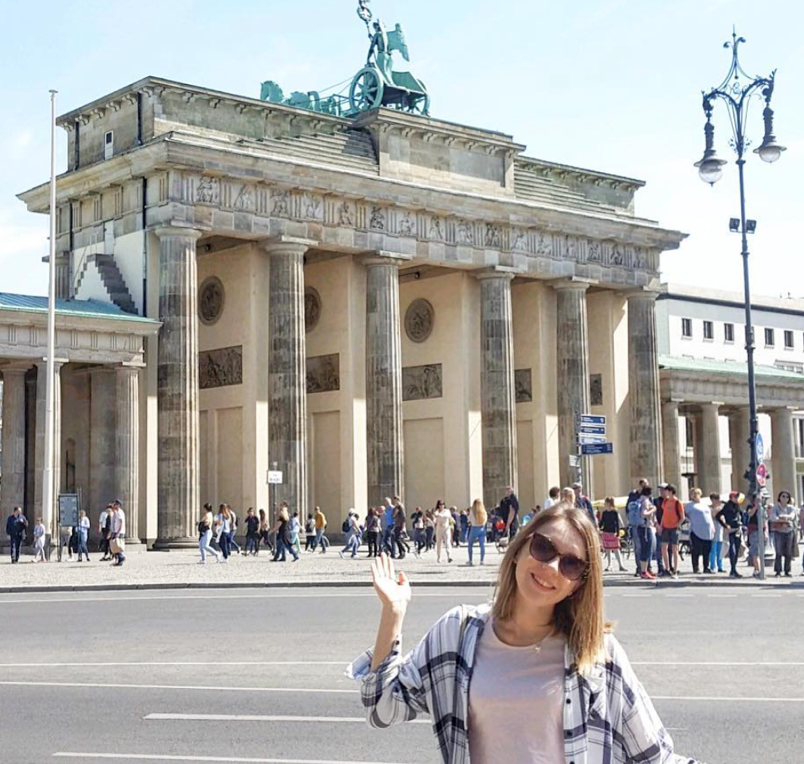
x=257, y=676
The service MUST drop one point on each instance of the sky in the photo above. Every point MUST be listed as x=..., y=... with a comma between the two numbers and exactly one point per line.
x=610, y=85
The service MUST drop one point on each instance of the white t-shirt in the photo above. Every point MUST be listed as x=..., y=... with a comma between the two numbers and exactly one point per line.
x=516, y=702
x=548, y=502
x=443, y=518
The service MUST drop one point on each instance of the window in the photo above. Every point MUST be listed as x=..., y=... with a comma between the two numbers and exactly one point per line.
x=108, y=145
x=769, y=338
x=728, y=332
x=709, y=330
x=686, y=327
x=788, y=340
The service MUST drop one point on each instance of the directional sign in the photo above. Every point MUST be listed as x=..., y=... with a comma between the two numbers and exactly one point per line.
x=574, y=461
x=593, y=449
x=760, y=448
x=274, y=477
x=762, y=475
x=592, y=429
x=592, y=419
x=586, y=439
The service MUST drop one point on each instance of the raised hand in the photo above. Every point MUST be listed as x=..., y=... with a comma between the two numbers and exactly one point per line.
x=393, y=589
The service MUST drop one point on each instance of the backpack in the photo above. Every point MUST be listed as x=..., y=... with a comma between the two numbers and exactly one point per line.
x=345, y=527
x=309, y=528
x=634, y=511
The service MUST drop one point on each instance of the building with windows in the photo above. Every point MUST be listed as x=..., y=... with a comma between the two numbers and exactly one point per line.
x=701, y=336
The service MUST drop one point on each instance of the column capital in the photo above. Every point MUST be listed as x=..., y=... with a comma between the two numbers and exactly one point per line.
x=497, y=272
x=645, y=294
x=57, y=363
x=177, y=228
x=572, y=284
x=15, y=368
x=382, y=257
x=286, y=245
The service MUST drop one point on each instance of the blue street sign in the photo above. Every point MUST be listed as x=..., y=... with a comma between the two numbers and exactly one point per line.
x=593, y=449
x=760, y=448
x=592, y=419
x=592, y=429
x=584, y=439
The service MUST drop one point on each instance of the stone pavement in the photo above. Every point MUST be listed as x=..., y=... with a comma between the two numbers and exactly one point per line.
x=180, y=569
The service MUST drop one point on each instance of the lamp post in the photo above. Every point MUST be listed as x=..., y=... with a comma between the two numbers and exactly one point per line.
x=737, y=91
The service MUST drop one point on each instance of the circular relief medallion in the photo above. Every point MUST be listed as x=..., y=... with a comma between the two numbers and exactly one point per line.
x=210, y=300
x=419, y=320
x=312, y=308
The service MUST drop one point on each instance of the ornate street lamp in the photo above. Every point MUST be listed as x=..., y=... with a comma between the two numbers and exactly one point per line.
x=737, y=91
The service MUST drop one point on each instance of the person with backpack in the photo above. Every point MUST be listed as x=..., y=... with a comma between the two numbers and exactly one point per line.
x=283, y=539
x=730, y=518
x=633, y=510
x=353, y=531
x=252, y=531
x=205, y=526
x=223, y=523
x=309, y=535
x=647, y=533
x=671, y=519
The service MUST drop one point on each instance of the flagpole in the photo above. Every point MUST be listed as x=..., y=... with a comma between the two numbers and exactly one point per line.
x=48, y=500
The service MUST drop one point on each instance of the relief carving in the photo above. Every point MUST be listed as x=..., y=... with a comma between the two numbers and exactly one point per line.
x=281, y=206
x=220, y=368
x=245, y=199
x=519, y=240
x=312, y=207
x=211, y=297
x=493, y=236
x=208, y=191
x=523, y=390
x=323, y=373
x=406, y=225
x=377, y=220
x=617, y=257
x=345, y=215
x=544, y=245
x=419, y=320
x=595, y=255
x=312, y=308
x=422, y=382
x=466, y=232
x=436, y=229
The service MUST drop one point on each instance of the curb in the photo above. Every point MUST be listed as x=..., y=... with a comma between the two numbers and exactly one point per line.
x=202, y=585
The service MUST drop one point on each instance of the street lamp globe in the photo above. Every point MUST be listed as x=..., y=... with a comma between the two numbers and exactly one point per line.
x=770, y=150
x=710, y=168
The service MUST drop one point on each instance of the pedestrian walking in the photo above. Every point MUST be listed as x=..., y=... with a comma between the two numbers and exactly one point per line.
x=730, y=520
x=464, y=522
x=509, y=511
x=353, y=533
x=320, y=529
x=205, y=528
x=783, y=519
x=633, y=513
x=309, y=534
x=117, y=540
x=373, y=526
x=284, y=542
x=388, y=543
x=535, y=676
x=223, y=524
x=400, y=529
x=610, y=525
x=234, y=547
x=16, y=525
x=39, y=541
x=105, y=532
x=265, y=533
x=716, y=554
x=442, y=531
x=295, y=531
x=65, y=534
x=429, y=530
x=702, y=531
x=252, y=532
x=647, y=533
x=417, y=535
x=478, y=517
x=672, y=516
x=83, y=535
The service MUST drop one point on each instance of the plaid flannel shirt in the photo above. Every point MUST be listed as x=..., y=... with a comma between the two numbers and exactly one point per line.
x=608, y=716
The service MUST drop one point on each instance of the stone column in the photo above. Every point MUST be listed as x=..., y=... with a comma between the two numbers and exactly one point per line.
x=739, y=432
x=177, y=387
x=384, y=438
x=783, y=453
x=48, y=514
x=127, y=446
x=708, y=441
x=12, y=489
x=102, y=429
x=497, y=400
x=643, y=388
x=287, y=383
x=672, y=465
x=572, y=360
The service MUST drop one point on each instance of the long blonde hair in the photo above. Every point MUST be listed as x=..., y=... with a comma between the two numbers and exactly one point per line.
x=478, y=512
x=579, y=618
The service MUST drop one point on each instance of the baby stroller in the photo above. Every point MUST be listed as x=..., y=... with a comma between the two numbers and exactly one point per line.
x=501, y=537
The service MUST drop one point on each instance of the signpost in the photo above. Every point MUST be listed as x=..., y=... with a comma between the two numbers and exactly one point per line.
x=590, y=440
x=762, y=474
x=760, y=448
x=762, y=480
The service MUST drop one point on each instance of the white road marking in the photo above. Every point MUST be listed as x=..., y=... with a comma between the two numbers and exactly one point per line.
x=153, y=664
x=729, y=699
x=470, y=593
x=673, y=594
x=250, y=718
x=636, y=594
x=110, y=686
x=722, y=596
x=765, y=596
x=212, y=759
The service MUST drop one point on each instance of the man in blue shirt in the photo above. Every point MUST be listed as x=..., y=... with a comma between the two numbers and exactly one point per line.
x=583, y=502
x=388, y=541
x=15, y=530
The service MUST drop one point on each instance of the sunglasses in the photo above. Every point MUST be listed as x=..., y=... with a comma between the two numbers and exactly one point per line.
x=571, y=567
